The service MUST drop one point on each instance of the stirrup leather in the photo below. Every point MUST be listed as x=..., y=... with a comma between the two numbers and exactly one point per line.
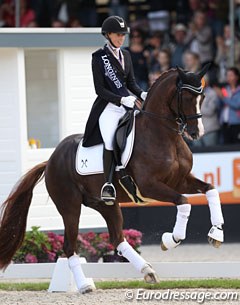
x=108, y=192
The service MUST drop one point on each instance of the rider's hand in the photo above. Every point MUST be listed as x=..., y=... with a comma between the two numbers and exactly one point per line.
x=128, y=101
x=144, y=95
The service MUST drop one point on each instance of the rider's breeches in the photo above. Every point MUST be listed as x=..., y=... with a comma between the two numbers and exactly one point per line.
x=108, y=122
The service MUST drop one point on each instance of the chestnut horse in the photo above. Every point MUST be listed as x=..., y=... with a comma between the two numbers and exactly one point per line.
x=161, y=166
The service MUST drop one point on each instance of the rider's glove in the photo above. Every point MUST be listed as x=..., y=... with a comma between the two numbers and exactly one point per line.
x=128, y=101
x=144, y=95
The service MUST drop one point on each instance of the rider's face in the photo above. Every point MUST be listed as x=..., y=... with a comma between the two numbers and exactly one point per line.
x=117, y=39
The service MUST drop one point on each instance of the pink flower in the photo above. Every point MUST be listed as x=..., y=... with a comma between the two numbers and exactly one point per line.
x=29, y=258
x=51, y=256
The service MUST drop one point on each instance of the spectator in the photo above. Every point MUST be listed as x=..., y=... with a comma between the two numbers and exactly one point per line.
x=155, y=43
x=178, y=46
x=162, y=65
x=87, y=12
x=164, y=60
x=119, y=8
x=139, y=60
x=200, y=37
x=210, y=119
x=28, y=18
x=223, y=56
x=229, y=101
x=191, y=61
x=27, y=15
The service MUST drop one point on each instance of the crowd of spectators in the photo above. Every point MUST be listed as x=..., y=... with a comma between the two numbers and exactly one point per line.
x=164, y=34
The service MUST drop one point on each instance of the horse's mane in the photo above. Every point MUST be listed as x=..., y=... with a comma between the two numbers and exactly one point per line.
x=161, y=78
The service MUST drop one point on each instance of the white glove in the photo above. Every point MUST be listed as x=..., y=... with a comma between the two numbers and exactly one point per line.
x=144, y=95
x=128, y=101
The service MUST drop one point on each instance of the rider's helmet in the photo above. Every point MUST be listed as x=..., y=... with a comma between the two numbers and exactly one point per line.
x=114, y=24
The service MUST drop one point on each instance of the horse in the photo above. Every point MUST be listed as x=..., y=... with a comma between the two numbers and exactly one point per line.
x=161, y=164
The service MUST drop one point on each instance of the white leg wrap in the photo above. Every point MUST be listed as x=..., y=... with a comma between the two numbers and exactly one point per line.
x=134, y=258
x=179, y=230
x=168, y=241
x=216, y=233
x=215, y=207
x=81, y=281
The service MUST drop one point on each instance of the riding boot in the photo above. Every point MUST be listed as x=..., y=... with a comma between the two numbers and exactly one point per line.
x=108, y=192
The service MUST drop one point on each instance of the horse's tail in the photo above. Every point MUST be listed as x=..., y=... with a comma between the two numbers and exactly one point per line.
x=14, y=214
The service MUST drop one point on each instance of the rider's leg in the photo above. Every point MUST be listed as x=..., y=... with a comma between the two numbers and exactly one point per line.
x=108, y=192
x=108, y=122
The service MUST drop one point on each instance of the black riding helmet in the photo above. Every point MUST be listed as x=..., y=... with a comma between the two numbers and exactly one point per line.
x=114, y=24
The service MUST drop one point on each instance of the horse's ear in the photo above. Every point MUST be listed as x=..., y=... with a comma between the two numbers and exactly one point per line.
x=181, y=73
x=204, y=70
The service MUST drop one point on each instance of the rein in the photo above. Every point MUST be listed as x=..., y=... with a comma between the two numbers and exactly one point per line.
x=180, y=118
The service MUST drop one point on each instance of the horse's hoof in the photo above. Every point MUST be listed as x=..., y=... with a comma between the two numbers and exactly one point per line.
x=150, y=275
x=168, y=241
x=215, y=243
x=215, y=236
x=163, y=247
x=87, y=289
x=151, y=278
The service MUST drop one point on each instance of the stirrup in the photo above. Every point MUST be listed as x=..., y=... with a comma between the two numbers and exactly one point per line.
x=108, y=193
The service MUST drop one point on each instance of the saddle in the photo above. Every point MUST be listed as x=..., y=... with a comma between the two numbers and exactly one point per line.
x=123, y=130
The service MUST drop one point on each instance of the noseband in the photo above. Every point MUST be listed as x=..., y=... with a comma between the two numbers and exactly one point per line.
x=179, y=117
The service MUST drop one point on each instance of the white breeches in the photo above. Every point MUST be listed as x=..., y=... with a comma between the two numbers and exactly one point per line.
x=108, y=122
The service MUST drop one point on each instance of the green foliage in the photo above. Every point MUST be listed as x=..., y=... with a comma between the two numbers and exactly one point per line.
x=39, y=247
x=174, y=284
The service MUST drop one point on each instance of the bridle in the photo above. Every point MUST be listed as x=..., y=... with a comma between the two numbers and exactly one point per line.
x=179, y=117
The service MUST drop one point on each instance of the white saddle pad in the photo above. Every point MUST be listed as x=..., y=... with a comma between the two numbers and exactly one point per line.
x=89, y=160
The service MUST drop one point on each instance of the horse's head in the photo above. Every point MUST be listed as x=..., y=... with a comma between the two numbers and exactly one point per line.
x=189, y=100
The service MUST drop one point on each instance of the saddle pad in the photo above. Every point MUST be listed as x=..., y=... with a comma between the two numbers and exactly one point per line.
x=89, y=160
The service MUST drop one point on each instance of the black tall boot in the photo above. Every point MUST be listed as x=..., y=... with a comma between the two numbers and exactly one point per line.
x=108, y=192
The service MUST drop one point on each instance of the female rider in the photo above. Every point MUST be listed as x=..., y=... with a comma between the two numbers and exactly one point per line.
x=115, y=85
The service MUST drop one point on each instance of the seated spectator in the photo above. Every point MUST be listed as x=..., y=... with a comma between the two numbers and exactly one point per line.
x=191, y=61
x=209, y=110
x=178, y=46
x=139, y=60
x=200, y=37
x=229, y=102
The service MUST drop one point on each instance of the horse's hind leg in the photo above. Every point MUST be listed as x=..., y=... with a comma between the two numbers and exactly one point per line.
x=68, y=203
x=114, y=220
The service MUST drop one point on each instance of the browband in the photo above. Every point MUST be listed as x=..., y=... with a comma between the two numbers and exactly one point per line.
x=197, y=90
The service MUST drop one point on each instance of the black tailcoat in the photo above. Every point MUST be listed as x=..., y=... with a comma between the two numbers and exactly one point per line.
x=92, y=134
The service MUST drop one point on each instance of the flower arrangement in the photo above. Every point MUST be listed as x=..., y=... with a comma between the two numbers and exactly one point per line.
x=39, y=247
x=96, y=245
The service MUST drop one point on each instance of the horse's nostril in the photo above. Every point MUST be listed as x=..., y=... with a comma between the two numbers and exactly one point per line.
x=194, y=135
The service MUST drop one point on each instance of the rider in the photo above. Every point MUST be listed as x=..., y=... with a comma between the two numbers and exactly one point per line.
x=114, y=83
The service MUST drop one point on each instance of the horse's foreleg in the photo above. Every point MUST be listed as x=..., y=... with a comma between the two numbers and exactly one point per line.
x=114, y=220
x=193, y=185
x=162, y=192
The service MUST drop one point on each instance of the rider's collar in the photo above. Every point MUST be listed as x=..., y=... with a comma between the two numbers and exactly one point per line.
x=112, y=48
